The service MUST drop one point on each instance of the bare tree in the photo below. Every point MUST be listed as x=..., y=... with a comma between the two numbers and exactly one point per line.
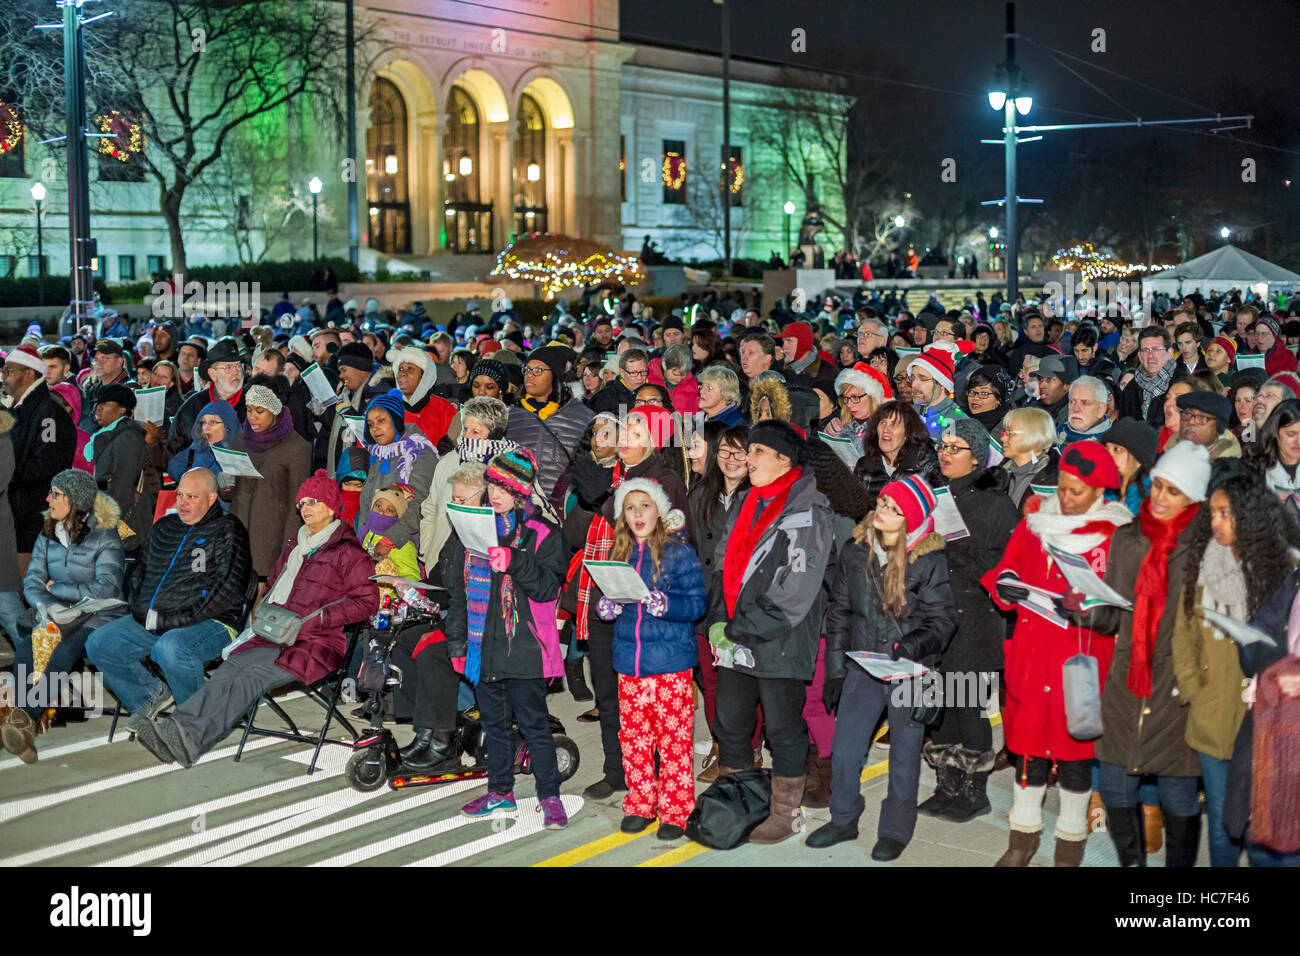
x=193, y=72
x=705, y=216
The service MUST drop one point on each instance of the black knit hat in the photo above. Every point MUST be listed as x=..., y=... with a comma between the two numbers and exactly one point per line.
x=672, y=322
x=491, y=368
x=781, y=437
x=1137, y=438
x=356, y=355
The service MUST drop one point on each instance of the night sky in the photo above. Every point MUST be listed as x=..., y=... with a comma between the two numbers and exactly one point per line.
x=1207, y=57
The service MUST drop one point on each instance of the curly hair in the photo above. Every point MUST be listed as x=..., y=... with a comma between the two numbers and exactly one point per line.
x=1263, y=531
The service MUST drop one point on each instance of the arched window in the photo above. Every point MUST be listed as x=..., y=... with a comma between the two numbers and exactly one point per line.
x=530, y=168
x=467, y=220
x=386, y=190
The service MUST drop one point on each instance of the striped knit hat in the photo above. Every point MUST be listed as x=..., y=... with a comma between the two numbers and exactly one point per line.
x=916, y=501
x=392, y=403
x=513, y=471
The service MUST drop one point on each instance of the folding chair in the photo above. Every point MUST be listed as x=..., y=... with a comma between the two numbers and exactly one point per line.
x=332, y=685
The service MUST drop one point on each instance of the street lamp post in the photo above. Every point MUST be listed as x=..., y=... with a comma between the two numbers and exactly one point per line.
x=314, y=185
x=789, y=211
x=1009, y=101
x=38, y=194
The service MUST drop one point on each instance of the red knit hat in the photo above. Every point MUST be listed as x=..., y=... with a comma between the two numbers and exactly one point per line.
x=938, y=364
x=916, y=501
x=324, y=489
x=660, y=421
x=802, y=333
x=1290, y=379
x=1227, y=345
x=488, y=347
x=1090, y=462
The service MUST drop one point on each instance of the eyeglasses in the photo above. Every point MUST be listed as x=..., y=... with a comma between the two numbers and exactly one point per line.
x=982, y=393
x=307, y=503
x=1195, y=418
x=949, y=336
x=1009, y=432
x=55, y=493
x=950, y=448
x=467, y=500
x=853, y=399
x=705, y=387
x=732, y=454
x=1153, y=351
x=535, y=369
x=651, y=401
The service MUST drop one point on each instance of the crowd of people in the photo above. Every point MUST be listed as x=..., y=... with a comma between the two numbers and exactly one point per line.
x=1085, y=524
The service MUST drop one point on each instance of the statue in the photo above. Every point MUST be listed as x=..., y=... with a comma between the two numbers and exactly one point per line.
x=812, y=224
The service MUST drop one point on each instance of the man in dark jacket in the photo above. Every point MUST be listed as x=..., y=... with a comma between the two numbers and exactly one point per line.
x=223, y=370
x=44, y=440
x=802, y=358
x=620, y=395
x=191, y=583
x=110, y=369
x=356, y=365
x=118, y=453
x=765, y=618
x=1055, y=374
x=1142, y=396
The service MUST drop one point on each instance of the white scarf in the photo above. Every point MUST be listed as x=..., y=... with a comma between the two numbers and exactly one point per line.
x=307, y=543
x=1223, y=586
x=1051, y=527
x=1281, y=482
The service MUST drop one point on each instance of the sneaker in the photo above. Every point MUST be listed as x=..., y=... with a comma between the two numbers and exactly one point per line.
x=146, y=735
x=883, y=742
x=156, y=706
x=553, y=815
x=490, y=803
x=169, y=732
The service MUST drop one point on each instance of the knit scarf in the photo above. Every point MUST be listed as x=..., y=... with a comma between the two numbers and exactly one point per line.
x=398, y=458
x=478, y=593
x=1151, y=591
x=256, y=441
x=1154, y=386
x=599, y=543
x=542, y=410
x=89, y=451
x=308, y=544
x=749, y=530
x=482, y=450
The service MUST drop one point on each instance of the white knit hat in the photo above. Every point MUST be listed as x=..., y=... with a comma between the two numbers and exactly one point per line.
x=300, y=346
x=673, y=519
x=260, y=396
x=1186, y=466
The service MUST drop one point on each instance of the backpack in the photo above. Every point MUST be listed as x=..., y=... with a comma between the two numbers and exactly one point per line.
x=733, y=806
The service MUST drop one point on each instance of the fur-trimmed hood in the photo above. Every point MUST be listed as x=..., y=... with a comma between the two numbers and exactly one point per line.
x=928, y=544
x=105, y=513
x=6, y=422
x=778, y=397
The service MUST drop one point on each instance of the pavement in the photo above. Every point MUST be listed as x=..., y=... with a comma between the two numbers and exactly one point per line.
x=90, y=802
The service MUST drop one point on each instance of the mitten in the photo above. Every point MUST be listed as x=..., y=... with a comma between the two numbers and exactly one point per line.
x=499, y=558
x=608, y=609
x=656, y=603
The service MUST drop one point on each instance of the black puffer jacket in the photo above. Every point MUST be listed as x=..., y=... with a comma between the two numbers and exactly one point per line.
x=990, y=517
x=707, y=534
x=190, y=573
x=856, y=619
x=917, y=460
x=554, y=442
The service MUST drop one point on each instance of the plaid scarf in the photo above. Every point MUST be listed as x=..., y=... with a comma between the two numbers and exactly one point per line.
x=600, y=542
x=1154, y=386
x=478, y=592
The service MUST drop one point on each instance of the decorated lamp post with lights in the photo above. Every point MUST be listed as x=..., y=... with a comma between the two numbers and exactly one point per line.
x=557, y=262
x=315, y=186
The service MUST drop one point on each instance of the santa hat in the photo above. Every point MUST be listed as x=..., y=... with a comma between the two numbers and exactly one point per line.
x=27, y=356
x=916, y=501
x=672, y=517
x=868, y=378
x=936, y=363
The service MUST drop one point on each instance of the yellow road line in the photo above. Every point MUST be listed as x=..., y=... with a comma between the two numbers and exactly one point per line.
x=679, y=855
x=595, y=847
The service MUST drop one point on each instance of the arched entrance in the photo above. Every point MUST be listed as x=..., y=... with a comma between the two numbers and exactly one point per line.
x=529, y=173
x=386, y=171
x=467, y=220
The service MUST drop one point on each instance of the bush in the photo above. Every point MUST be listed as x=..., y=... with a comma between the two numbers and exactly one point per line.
x=294, y=275
x=27, y=291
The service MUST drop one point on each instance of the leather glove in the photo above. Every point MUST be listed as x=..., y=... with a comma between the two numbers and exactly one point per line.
x=905, y=649
x=499, y=558
x=1009, y=592
x=608, y=609
x=656, y=603
x=831, y=692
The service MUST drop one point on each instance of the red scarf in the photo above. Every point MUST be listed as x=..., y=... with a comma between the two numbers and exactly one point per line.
x=1151, y=591
x=747, y=532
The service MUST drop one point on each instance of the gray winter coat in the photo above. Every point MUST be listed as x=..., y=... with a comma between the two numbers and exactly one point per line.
x=90, y=568
x=554, y=442
x=780, y=610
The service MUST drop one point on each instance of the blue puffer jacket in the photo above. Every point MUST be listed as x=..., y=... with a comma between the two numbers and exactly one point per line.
x=91, y=568
x=646, y=645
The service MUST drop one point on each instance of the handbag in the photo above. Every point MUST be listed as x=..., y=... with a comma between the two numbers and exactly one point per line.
x=1081, y=686
x=278, y=624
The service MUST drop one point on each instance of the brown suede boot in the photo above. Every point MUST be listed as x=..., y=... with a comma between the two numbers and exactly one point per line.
x=19, y=736
x=1020, y=849
x=1153, y=826
x=785, y=818
x=817, y=782
x=709, y=768
x=1069, y=852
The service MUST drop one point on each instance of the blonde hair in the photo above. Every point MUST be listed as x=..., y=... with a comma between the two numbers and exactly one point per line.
x=625, y=540
x=894, y=586
x=1038, y=431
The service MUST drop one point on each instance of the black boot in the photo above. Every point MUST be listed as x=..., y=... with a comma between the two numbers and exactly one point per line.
x=577, y=683
x=416, y=748
x=555, y=686
x=1128, y=834
x=440, y=754
x=1182, y=839
x=940, y=757
x=972, y=796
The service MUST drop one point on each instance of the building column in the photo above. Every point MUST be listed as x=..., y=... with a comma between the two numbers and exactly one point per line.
x=579, y=188
x=424, y=172
x=363, y=197
x=559, y=182
x=438, y=190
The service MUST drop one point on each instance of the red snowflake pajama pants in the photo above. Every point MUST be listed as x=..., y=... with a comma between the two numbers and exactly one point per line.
x=658, y=713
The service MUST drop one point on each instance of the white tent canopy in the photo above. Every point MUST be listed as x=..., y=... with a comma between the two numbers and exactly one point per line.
x=1225, y=268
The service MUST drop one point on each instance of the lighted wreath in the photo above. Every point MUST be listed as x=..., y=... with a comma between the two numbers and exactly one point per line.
x=737, y=174
x=128, y=133
x=674, y=170
x=11, y=128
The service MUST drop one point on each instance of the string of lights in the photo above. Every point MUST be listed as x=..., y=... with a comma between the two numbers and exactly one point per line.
x=558, y=262
x=1091, y=263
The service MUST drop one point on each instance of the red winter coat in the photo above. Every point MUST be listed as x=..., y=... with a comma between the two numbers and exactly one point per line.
x=340, y=568
x=1279, y=359
x=433, y=415
x=1034, y=716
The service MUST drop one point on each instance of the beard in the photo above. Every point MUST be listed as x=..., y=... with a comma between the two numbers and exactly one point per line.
x=226, y=388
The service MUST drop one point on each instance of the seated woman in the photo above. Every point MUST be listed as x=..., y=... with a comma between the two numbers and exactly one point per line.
x=323, y=576
x=216, y=426
x=78, y=554
x=399, y=454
